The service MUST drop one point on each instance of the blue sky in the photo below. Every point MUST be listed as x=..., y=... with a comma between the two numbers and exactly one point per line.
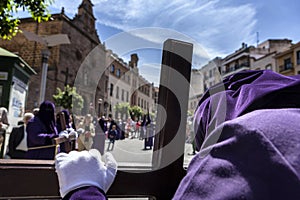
x=216, y=27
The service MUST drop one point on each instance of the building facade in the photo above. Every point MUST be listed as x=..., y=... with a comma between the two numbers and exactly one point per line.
x=288, y=62
x=250, y=57
x=65, y=60
x=126, y=85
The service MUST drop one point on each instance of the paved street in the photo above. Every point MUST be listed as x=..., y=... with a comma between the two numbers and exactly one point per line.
x=129, y=152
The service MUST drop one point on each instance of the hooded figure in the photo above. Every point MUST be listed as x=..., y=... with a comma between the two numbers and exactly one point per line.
x=247, y=131
x=40, y=131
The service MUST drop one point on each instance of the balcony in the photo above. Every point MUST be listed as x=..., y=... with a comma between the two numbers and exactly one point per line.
x=286, y=67
x=236, y=68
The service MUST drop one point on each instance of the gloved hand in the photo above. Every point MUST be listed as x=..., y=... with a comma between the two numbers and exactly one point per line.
x=70, y=130
x=74, y=133
x=64, y=133
x=84, y=168
x=80, y=131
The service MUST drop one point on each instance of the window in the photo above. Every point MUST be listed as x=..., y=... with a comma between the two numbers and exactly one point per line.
x=298, y=57
x=139, y=101
x=106, y=85
x=117, y=93
x=112, y=68
x=122, y=95
x=288, y=64
x=127, y=96
x=111, y=89
x=118, y=73
x=269, y=66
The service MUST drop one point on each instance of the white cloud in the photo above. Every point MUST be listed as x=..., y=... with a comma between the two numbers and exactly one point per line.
x=217, y=27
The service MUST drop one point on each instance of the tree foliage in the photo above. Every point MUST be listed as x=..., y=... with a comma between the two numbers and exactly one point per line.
x=68, y=98
x=135, y=112
x=122, y=108
x=38, y=10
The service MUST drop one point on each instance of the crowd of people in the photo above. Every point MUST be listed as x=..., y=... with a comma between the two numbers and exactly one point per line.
x=34, y=137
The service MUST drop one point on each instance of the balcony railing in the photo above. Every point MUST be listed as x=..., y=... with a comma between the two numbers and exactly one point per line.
x=288, y=66
x=236, y=68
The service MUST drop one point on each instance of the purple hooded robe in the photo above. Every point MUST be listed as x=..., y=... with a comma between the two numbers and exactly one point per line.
x=40, y=131
x=247, y=131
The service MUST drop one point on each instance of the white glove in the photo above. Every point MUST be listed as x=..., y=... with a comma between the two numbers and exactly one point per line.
x=84, y=168
x=73, y=132
x=70, y=130
x=80, y=131
x=64, y=133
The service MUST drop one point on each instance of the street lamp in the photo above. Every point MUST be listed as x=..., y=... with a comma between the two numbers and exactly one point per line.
x=99, y=107
x=48, y=41
x=45, y=56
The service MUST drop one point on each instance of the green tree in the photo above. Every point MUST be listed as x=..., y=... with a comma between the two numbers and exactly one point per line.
x=135, y=112
x=68, y=98
x=38, y=10
x=122, y=108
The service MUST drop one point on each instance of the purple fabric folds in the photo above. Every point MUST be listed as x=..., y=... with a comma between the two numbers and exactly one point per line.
x=86, y=193
x=242, y=93
x=257, y=156
x=247, y=131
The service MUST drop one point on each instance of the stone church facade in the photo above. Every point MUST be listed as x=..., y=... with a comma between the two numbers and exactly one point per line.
x=68, y=63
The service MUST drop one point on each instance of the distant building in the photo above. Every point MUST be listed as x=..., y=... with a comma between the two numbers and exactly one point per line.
x=288, y=62
x=274, y=54
x=119, y=85
x=66, y=59
x=211, y=72
x=245, y=57
x=126, y=85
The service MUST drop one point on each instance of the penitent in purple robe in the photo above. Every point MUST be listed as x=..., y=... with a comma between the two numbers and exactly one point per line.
x=257, y=156
x=242, y=93
x=37, y=136
x=247, y=131
x=40, y=132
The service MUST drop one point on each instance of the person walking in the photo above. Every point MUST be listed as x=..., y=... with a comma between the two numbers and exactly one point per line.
x=112, y=137
x=85, y=140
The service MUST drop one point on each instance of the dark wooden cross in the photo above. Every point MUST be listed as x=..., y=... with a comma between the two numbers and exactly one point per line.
x=67, y=75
